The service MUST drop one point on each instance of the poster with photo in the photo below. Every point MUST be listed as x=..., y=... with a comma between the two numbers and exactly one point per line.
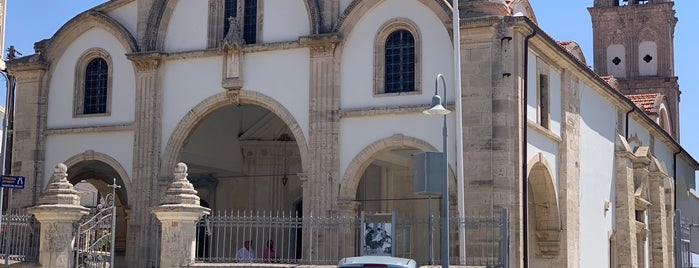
x=377, y=235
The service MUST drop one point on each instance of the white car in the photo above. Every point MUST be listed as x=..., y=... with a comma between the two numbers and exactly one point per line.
x=376, y=261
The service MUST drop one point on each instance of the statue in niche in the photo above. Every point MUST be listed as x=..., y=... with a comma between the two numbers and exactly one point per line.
x=232, y=45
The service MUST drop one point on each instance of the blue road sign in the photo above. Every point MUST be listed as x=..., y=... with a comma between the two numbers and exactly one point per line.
x=15, y=182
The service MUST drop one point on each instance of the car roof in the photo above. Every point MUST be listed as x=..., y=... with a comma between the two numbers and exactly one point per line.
x=391, y=262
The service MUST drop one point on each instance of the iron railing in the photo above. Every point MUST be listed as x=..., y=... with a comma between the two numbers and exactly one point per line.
x=325, y=240
x=19, y=236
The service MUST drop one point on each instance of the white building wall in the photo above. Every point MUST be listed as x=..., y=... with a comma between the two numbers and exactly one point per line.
x=61, y=147
x=186, y=83
x=188, y=26
x=637, y=132
x=357, y=60
x=284, y=20
x=423, y=127
x=282, y=75
x=531, y=87
x=126, y=15
x=62, y=85
x=537, y=143
x=597, y=136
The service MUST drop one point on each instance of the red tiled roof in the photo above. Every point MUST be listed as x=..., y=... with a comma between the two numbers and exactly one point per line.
x=611, y=81
x=564, y=43
x=644, y=101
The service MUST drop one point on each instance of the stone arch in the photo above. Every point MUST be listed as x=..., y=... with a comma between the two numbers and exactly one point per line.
x=81, y=24
x=353, y=172
x=313, y=15
x=356, y=10
x=544, y=203
x=191, y=120
x=90, y=155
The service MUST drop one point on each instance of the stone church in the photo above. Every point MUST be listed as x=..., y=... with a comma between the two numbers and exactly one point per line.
x=315, y=107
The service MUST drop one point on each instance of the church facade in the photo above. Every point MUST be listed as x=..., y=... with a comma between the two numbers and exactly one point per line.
x=315, y=107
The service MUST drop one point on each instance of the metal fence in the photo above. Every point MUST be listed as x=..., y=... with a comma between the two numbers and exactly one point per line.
x=19, y=236
x=293, y=239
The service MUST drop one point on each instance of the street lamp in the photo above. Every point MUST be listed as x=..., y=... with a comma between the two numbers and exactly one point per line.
x=438, y=108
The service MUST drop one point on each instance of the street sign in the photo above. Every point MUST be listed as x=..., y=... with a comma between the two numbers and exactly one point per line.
x=15, y=182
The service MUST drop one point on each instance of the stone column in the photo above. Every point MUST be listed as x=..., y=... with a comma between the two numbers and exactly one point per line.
x=658, y=219
x=59, y=208
x=569, y=173
x=324, y=126
x=29, y=124
x=348, y=210
x=178, y=213
x=146, y=158
x=642, y=201
x=625, y=210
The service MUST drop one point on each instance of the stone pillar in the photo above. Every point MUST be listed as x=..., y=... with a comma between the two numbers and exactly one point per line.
x=659, y=237
x=146, y=158
x=29, y=124
x=59, y=208
x=641, y=162
x=569, y=172
x=324, y=126
x=178, y=213
x=625, y=209
x=348, y=210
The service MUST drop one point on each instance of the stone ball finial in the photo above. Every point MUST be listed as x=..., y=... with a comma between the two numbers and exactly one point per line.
x=180, y=190
x=59, y=190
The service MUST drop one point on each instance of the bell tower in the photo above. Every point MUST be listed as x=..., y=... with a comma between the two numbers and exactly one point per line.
x=633, y=42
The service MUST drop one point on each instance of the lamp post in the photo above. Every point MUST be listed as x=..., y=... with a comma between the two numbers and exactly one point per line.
x=437, y=108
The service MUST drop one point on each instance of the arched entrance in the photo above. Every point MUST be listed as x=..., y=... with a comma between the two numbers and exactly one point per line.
x=243, y=157
x=544, y=226
x=91, y=173
x=380, y=180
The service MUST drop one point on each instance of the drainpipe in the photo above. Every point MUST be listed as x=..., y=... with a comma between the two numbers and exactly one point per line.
x=626, y=135
x=525, y=226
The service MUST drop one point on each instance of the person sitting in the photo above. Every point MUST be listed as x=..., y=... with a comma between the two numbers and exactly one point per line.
x=245, y=254
x=269, y=255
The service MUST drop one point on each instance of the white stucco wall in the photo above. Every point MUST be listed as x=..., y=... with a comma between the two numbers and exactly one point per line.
x=651, y=49
x=614, y=51
x=531, y=87
x=357, y=60
x=188, y=26
x=126, y=15
x=61, y=147
x=597, y=136
x=283, y=76
x=186, y=83
x=637, y=131
x=284, y=20
x=419, y=126
x=537, y=143
x=62, y=87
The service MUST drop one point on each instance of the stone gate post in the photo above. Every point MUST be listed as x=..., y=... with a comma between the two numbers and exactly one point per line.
x=178, y=213
x=59, y=208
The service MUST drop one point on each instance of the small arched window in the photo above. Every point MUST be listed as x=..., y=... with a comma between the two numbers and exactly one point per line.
x=400, y=62
x=397, y=59
x=96, y=78
x=93, y=83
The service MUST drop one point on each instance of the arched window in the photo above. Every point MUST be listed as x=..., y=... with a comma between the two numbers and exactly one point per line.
x=93, y=82
x=230, y=9
x=96, y=77
x=250, y=22
x=397, y=59
x=400, y=62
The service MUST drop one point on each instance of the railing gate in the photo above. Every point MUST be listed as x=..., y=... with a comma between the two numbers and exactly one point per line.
x=94, y=244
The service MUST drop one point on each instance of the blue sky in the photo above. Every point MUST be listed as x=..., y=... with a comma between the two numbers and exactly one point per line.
x=29, y=21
